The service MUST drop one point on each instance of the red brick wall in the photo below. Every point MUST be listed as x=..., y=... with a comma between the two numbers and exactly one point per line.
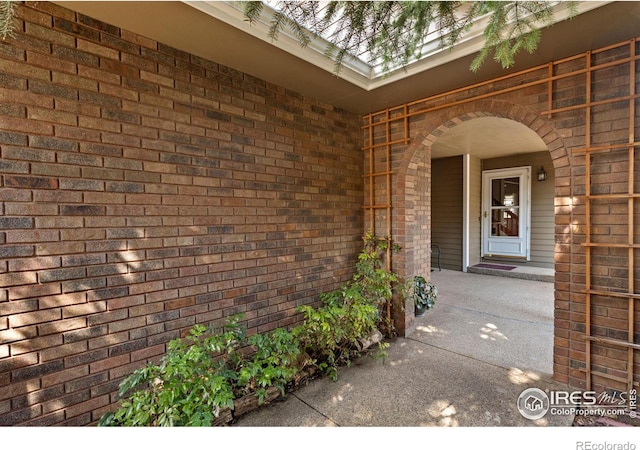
x=143, y=190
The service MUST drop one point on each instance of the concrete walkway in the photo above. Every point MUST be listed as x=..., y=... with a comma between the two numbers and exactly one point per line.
x=486, y=340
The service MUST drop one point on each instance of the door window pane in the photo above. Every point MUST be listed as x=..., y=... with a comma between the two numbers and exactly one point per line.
x=505, y=222
x=505, y=199
x=505, y=191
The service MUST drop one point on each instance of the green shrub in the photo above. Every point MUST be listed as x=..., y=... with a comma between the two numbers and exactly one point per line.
x=377, y=284
x=331, y=335
x=204, y=373
x=272, y=364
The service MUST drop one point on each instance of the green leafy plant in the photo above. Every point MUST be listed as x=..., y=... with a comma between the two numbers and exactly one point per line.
x=423, y=292
x=272, y=364
x=189, y=387
x=332, y=334
x=376, y=282
x=202, y=374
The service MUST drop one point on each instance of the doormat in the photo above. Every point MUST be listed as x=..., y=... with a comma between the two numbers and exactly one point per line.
x=494, y=266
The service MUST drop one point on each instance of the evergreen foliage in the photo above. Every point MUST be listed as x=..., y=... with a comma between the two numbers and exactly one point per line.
x=393, y=33
x=7, y=14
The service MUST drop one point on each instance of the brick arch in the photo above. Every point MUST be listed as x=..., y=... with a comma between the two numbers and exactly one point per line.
x=413, y=176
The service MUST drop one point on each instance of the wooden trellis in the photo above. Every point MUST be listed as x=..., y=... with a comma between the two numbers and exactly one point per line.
x=378, y=143
x=626, y=296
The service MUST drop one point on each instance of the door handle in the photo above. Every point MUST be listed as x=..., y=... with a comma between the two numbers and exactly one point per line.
x=485, y=214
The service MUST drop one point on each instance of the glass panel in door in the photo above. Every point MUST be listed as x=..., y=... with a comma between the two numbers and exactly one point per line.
x=505, y=207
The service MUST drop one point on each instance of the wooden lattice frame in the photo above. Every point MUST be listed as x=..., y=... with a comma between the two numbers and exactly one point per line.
x=630, y=296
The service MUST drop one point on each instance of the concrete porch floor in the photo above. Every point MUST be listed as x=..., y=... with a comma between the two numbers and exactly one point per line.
x=465, y=365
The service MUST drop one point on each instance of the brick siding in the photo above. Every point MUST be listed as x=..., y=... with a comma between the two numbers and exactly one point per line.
x=144, y=190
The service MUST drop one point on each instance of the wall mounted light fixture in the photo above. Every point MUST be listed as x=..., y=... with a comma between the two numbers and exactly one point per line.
x=542, y=175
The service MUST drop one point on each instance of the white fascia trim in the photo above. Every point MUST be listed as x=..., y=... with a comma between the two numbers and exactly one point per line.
x=355, y=71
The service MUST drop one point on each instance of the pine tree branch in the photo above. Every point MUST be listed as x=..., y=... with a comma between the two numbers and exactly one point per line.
x=7, y=14
x=394, y=32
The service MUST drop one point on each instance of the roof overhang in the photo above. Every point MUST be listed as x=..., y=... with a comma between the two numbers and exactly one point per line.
x=356, y=71
x=217, y=31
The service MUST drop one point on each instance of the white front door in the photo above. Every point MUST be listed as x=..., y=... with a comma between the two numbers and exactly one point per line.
x=506, y=212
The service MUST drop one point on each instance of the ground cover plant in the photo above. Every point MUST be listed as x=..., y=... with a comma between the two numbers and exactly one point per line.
x=203, y=374
x=208, y=370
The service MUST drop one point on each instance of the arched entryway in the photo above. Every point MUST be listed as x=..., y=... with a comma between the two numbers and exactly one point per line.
x=492, y=195
x=584, y=110
x=489, y=134
x=466, y=151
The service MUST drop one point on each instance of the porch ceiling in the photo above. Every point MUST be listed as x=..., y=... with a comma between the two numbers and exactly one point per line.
x=487, y=137
x=184, y=27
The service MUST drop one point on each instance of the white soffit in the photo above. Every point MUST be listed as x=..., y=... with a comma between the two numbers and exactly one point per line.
x=357, y=71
